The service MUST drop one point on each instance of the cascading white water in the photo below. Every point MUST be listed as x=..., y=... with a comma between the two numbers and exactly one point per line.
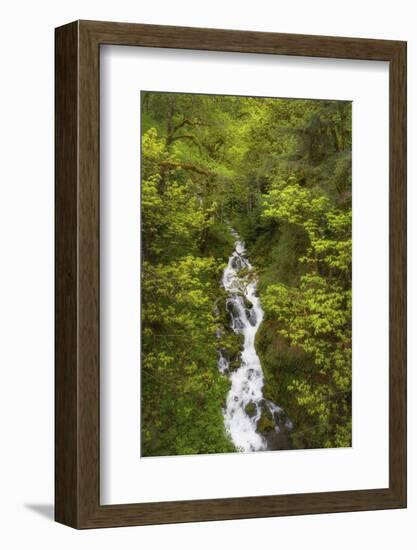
x=247, y=381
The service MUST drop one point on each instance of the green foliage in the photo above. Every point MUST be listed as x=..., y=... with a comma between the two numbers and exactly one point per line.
x=279, y=172
x=182, y=390
x=314, y=314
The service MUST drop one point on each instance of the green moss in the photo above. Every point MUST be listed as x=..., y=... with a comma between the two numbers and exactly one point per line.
x=250, y=409
x=265, y=424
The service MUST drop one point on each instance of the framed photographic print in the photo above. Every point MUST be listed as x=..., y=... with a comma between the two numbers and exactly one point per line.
x=230, y=274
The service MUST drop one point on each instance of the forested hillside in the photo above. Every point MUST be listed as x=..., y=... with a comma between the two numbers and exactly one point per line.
x=278, y=171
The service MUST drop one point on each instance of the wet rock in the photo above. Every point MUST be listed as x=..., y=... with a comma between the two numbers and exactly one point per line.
x=265, y=424
x=278, y=440
x=237, y=324
x=237, y=263
x=247, y=303
x=234, y=306
x=275, y=426
x=251, y=316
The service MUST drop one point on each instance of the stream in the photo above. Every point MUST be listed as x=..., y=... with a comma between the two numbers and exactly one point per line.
x=245, y=403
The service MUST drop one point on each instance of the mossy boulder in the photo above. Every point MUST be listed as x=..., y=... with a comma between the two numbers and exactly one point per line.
x=230, y=345
x=250, y=409
x=266, y=423
x=234, y=363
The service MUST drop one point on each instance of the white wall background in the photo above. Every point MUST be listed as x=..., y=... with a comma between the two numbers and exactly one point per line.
x=26, y=272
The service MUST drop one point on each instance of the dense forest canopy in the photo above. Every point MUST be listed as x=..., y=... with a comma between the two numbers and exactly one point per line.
x=278, y=171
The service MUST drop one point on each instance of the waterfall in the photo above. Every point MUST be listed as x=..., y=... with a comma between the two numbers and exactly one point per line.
x=245, y=403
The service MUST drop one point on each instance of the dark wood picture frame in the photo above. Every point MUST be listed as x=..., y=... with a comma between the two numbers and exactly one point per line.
x=77, y=374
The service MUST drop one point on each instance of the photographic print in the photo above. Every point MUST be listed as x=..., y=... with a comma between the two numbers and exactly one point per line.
x=246, y=274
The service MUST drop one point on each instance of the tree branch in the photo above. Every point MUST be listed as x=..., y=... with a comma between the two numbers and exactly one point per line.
x=185, y=166
x=189, y=122
x=184, y=136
